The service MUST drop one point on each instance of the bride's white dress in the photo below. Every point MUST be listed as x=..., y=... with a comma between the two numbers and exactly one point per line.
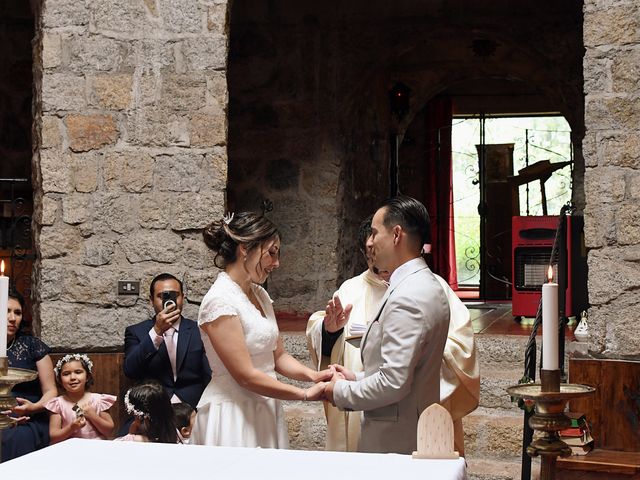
x=229, y=415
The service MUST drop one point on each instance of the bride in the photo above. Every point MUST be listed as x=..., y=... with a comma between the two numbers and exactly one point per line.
x=241, y=405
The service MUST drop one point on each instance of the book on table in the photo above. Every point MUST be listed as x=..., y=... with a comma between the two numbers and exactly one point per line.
x=578, y=435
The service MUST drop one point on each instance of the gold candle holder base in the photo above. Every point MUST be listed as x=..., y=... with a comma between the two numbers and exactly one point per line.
x=549, y=417
x=8, y=378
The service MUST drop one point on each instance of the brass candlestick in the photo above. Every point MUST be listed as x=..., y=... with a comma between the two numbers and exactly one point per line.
x=550, y=398
x=8, y=378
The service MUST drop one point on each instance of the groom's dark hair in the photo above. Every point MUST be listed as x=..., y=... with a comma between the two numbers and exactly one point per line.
x=411, y=215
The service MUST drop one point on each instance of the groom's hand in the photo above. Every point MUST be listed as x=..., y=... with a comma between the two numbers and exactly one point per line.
x=336, y=317
x=344, y=372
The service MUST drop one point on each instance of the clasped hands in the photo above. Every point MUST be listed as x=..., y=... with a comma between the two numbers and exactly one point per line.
x=325, y=382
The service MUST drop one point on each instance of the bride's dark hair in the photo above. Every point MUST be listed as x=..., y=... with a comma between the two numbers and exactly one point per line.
x=246, y=228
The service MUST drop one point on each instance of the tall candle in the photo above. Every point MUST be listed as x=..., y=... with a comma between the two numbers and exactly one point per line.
x=4, y=300
x=550, y=360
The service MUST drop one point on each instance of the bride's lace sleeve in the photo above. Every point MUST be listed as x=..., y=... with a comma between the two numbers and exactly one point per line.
x=214, y=308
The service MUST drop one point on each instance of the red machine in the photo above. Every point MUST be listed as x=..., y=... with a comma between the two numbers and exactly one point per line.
x=532, y=243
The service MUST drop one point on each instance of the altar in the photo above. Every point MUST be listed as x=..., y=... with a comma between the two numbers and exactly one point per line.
x=105, y=460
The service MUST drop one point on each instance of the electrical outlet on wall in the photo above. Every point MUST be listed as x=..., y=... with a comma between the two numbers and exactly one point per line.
x=128, y=287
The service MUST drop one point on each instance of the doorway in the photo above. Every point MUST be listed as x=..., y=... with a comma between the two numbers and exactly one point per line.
x=482, y=191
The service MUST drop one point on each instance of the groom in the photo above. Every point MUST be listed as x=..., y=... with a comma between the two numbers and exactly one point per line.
x=402, y=349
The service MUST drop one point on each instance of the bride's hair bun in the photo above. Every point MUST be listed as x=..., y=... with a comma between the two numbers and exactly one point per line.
x=247, y=228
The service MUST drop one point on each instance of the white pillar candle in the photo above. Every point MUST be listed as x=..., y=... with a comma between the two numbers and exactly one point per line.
x=550, y=360
x=4, y=300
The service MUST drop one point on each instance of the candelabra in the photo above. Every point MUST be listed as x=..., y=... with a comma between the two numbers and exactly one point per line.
x=550, y=398
x=8, y=378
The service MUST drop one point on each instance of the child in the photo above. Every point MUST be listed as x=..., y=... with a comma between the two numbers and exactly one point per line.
x=154, y=420
x=185, y=418
x=78, y=413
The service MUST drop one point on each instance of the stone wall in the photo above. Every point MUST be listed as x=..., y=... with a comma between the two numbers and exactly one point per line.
x=612, y=179
x=130, y=162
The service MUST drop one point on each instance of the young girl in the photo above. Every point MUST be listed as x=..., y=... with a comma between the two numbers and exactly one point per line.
x=78, y=413
x=154, y=420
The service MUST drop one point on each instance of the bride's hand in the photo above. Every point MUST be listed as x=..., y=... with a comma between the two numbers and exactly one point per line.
x=315, y=392
x=323, y=375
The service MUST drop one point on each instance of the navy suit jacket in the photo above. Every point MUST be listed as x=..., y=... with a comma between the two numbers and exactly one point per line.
x=143, y=361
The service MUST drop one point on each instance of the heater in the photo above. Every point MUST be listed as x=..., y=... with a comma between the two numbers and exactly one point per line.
x=532, y=244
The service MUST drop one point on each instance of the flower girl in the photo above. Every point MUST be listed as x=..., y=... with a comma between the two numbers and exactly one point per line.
x=78, y=413
x=154, y=420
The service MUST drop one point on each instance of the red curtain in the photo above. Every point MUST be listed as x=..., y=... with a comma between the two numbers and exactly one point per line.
x=438, y=188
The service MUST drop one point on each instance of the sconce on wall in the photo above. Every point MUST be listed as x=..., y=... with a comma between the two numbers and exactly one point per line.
x=399, y=96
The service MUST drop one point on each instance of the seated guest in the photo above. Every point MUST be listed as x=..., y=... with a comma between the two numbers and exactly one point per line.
x=26, y=351
x=168, y=347
x=185, y=418
x=153, y=416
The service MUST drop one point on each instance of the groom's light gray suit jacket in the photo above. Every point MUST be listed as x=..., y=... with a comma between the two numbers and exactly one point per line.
x=401, y=354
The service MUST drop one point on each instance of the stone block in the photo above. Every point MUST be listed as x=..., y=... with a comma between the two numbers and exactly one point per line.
x=76, y=208
x=122, y=17
x=193, y=211
x=616, y=113
x=51, y=132
x=498, y=434
x=112, y=92
x=606, y=185
x=218, y=19
x=131, y=171
x=625, y=70
x=633, y=185
x=55, y=318
x=208, y=130
x=216, y=169
x=64, y=13
x=183, y=92
x=198, y=282
x=84, y=172
x=55, y=172
x=610, y=276
x=86, y=53
x=618, y=24
x=49, y=210
x=205, y=53
x=599, y=224
x=178, y=173
x=59, y=240
x=145, y=245
x=628, y=224
x=154, y=128
x=89, y=132
x=51, y=50
x=307, y=429
x=51, y=281
x=117, y=212
x=155, y=210
x=181, y=16
x=217, y=91
x=620, y=149
x=97, y=251
x=619, y=340
x=597, y=74
x=61, y=91
x=150, y=54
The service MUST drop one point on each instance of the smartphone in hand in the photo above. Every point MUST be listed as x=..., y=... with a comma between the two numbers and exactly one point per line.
x=169, y=298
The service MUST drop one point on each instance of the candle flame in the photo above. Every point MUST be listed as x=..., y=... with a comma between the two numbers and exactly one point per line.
x=550, y=274
x=2, y=268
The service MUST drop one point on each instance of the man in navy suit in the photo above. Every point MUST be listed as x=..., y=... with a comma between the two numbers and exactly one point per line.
x=168, y=347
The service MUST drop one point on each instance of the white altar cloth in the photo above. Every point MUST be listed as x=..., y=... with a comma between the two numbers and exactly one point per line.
x=105, y=460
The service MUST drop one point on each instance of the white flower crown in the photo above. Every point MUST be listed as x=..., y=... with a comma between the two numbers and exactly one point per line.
x=80, y=357
x=131, y=410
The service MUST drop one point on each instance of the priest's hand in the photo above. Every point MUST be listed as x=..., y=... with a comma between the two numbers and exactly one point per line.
x=336, y=316
x=343, y=372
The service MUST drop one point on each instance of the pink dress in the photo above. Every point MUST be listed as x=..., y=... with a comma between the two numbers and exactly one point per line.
x=64, y=407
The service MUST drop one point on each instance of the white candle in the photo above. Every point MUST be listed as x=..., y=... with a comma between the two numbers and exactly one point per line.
x=4, y=300
x=550, y=360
